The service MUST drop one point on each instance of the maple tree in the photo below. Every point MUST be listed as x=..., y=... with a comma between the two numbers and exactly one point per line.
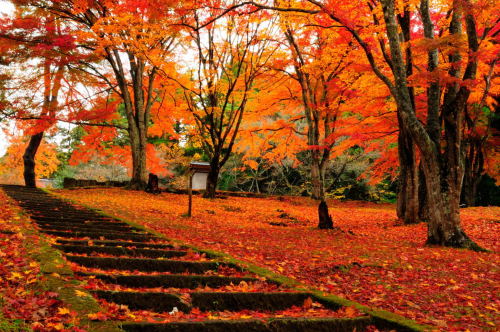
x=317, y=95
x=317, y=67
x=28, y=39
x=45, y=79
x=315, y=83
x=442, y=167
x=230, y=54
x=445, y=88
x=124, y=36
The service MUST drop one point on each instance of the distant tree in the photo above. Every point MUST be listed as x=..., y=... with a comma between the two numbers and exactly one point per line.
x=123, y=45
x=230, y=54
x=36, y=44
x=12, y=163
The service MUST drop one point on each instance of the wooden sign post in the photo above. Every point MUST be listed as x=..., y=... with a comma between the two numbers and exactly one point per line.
x=190, y=192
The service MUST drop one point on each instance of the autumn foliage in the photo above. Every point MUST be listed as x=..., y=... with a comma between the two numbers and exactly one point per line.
x=373, y=260
x=301, y=87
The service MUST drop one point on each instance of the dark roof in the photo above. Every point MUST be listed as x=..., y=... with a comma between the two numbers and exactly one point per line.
x=200, y=165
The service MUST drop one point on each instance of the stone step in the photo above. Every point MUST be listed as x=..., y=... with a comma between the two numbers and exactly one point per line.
x=120, y=244
x=46, y=202
x=236, y=301
x=67, y=217
x=90, y=224
x=159, y=302
x=104, y=235
x=120, y=251
x=85, y=222
x=145, y=264
x=69, y=220
x=35, y=196
x=169, y=281
x=231, y=301
x=86, y=228
x=39, y=209
x=69, y=212
x=49, y=205
x=272, y=325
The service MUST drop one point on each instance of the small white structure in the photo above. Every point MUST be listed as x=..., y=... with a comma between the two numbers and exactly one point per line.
x=200, y=171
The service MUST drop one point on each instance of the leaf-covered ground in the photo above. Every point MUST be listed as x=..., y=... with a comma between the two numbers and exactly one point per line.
x=372, y=260
x=25, y=304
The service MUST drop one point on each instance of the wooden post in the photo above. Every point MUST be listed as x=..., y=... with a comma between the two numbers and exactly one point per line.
x=190, y=192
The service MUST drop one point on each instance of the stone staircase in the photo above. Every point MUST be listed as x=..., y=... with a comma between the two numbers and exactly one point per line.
x=146, y=272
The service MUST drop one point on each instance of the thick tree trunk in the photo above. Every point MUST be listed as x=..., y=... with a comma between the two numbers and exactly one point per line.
x=325, y=220
x=443, y=170
x=444, y=182
x=29, y=160
x=408, y=198
x=139, y=170
x=444, y=215
x=317, y=180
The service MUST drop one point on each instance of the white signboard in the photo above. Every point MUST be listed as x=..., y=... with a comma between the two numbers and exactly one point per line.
x=200, y=181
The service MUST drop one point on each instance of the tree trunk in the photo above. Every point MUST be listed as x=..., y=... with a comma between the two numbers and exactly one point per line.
x=325, y=220
x=423, y=204
x=29, y=160
x=443, y=170
x=317, y=179
x=474, y=167
x=444, y=182
x=469, y=191
x=444, y=214
x=139, y=170
x=212, y=179
x=408, y=198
